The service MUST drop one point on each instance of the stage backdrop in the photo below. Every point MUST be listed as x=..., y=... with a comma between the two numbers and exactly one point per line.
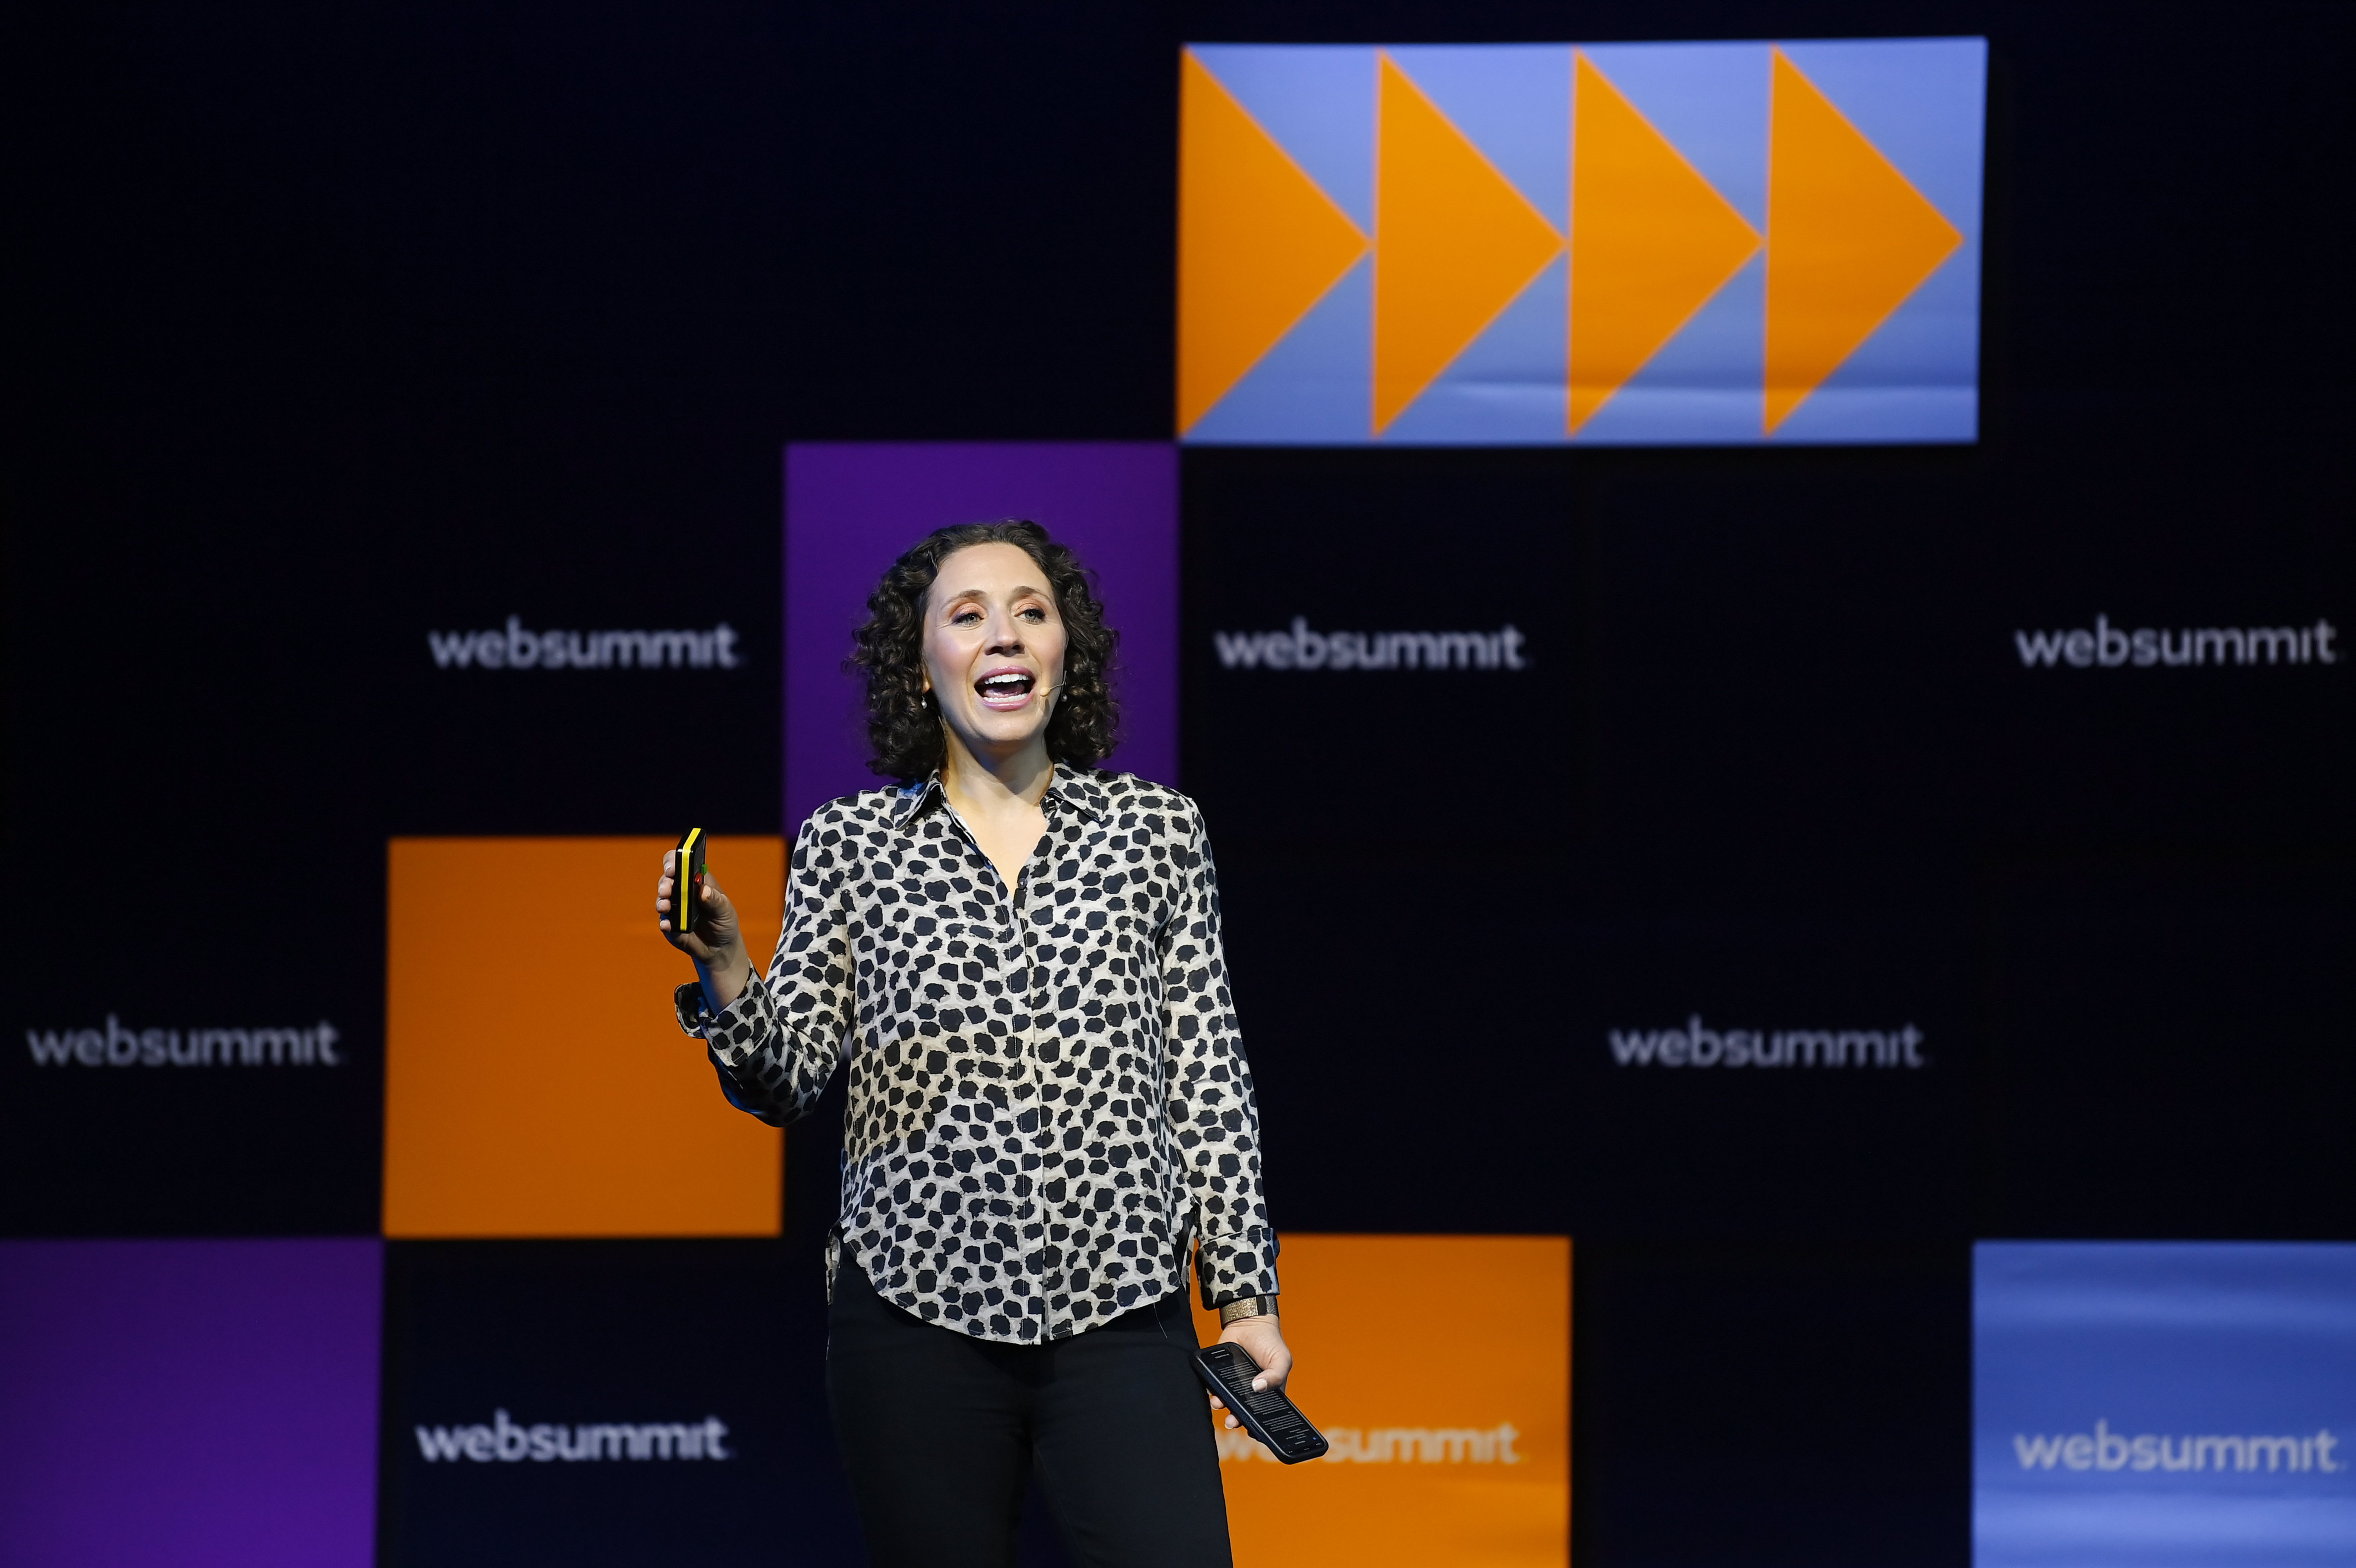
x=1919, y=815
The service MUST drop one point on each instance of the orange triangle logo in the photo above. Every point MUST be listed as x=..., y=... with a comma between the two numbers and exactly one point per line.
x=1849, y=239
x=1454, y=243
x=1258, y=243
x=1651, y=241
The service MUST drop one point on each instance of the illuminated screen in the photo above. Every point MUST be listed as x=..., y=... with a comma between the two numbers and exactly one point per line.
x=1603, y=245
x=2164, y=1405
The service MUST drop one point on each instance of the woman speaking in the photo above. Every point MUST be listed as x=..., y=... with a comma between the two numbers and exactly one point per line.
x=1020, y=959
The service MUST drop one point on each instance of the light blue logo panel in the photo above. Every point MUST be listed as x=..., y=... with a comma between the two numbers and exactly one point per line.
x=2164, y=1405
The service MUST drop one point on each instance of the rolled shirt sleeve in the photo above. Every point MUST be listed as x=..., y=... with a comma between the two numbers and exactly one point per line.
x=778, y=1044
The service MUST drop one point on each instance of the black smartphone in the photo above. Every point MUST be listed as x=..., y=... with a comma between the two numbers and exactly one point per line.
x=687, y=883
x=1266, y=1413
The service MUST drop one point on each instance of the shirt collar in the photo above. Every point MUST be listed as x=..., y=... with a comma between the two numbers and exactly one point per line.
x=1073, y=789
x=1079, y=790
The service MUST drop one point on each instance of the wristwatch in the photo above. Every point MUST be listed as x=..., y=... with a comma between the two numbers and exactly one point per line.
x=1248, y=1307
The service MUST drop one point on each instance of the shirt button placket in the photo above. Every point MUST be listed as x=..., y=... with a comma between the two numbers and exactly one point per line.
x=1031, y=1088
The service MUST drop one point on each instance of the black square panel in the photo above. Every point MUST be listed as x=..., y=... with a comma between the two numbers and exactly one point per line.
x=1778, y=1406
x=608, y=1403
x=2169, y=1050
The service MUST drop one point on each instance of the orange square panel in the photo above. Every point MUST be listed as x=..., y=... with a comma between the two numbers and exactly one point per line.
x=536, y=1083
x=1451, y=1435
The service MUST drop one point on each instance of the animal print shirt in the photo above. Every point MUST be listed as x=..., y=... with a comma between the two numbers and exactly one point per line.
x=1048, y=1098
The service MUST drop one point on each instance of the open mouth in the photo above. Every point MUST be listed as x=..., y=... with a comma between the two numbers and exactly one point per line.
x=1004, y=687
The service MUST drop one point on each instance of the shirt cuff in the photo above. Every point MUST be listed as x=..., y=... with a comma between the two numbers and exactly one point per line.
x=735, y=1031
x=696, y=1018
x=1232, y=1267
x=689, y=1003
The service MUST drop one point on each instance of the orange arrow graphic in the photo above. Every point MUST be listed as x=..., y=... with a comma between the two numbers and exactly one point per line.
x=1849, y=239
x=1258, y=243
x=1454, y=243
x=1650, y=240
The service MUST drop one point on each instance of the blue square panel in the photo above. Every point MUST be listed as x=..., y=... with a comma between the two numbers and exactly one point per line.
x=2164, y=1405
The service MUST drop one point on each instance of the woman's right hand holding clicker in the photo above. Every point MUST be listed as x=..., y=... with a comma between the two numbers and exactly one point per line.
x=714, y=943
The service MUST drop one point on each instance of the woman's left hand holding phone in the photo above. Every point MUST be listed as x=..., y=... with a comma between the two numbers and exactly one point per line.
x=716, y=944
x=1262, y=1339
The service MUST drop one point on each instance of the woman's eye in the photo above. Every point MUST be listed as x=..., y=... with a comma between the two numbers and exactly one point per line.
x=1032, y=613
x=962, y=616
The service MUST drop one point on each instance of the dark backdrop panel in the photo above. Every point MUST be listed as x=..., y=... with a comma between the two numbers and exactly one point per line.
x=1778, y=1404
x=1466, y=762
x=183, y=828
x=1875, y=1146
x=1412, y=1073
x=610, y=537
x=2220, y=756
x=1776, y=721
x=1447, y=890
x=135, y=1145
x=610, y=1332
x=1460, y=1074
x=1780, y=670
x=1813, y=657
x=1387, y=837
x=2168, y=1049
x=351, y=329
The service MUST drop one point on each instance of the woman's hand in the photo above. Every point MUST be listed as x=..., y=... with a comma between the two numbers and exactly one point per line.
x=714, y=943
x=1263, y=1341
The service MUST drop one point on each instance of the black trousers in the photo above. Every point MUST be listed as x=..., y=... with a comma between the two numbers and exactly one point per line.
x=940, y=1430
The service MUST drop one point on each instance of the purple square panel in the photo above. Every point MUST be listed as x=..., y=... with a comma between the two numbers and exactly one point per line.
x=188, y=1403
x=852, y=508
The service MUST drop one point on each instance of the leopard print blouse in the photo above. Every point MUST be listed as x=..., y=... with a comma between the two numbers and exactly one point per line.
x=1048, y=1098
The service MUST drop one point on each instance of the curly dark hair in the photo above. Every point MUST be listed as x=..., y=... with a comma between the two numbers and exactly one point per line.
x=904, y=724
